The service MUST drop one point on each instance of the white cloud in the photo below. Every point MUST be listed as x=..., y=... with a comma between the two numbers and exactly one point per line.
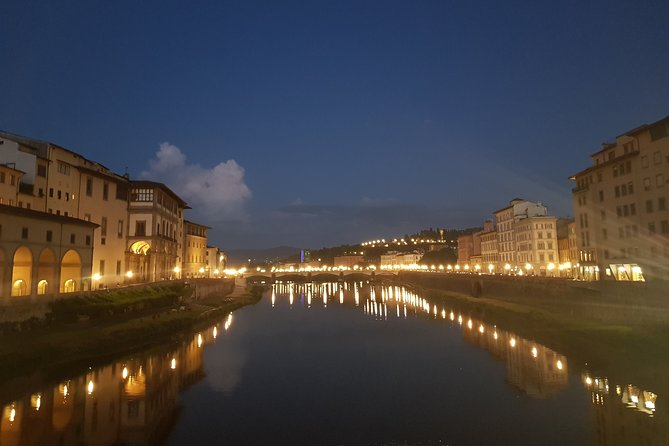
x=217, y=193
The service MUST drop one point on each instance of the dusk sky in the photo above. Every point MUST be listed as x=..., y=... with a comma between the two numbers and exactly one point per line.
x=323, y=122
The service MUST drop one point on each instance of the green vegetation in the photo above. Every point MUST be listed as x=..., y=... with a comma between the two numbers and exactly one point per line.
x=441, y=257
x=107, y=303
x=132, y=319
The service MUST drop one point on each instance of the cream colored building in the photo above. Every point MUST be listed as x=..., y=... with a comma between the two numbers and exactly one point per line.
x=216, y=261
x=620, y=207
x=9, y=185
x=536, y=246
x=489, y=250
x=506, y=219
x=62, y=182
x=43, y=254
x=195, y=250
x=398, y=259
x=154, y=250
x=465, y=249
x=348, y=261
x=567, y=251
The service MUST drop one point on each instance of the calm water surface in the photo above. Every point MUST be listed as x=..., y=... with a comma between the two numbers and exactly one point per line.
x=341, y=364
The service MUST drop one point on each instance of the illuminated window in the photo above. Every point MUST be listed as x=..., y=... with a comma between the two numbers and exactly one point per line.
x=144, y=195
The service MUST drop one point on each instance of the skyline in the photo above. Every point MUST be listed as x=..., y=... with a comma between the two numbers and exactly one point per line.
x=314, y=125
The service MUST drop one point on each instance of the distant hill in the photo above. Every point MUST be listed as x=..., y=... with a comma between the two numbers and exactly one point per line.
x=239, y=256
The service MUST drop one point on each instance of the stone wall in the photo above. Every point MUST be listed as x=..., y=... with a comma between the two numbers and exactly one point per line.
x=613, y=302
x=210, y=287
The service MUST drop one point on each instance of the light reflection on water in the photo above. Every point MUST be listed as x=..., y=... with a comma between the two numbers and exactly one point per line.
x=136, y=401
x=533, y=368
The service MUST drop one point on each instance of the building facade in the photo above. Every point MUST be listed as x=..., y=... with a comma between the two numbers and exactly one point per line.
x=465, y=249
x=9, y=184
x=195, y=249
x=620, y=207
x=399, y=259
x=59, y=181
x=348, y=261
x=43, y=254
x=216, y=261
x=536, y=246
x=506, y=219
x=489, y=250
x=155, y=215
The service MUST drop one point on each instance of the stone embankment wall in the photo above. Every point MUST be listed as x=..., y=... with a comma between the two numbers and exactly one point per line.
x=203, y=288
x=18, y=309
x=605, y=301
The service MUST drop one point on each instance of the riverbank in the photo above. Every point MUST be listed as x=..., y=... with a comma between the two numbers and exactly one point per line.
x=157, y=317
x=612, y=349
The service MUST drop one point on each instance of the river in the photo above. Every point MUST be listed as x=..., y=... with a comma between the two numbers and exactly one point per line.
x=341, y=364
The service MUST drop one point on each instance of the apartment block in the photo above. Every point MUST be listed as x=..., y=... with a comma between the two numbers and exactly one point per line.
x=489, y=248
x=195, y=249
x=536, y=246
x=620, y=207
x=506, y=219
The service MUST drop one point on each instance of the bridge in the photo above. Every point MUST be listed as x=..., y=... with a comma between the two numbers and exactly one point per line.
x=319, y=276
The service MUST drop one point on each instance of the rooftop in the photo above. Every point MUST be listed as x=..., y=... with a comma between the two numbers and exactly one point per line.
x=23, y=212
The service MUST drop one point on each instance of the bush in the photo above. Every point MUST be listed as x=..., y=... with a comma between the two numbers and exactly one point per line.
x=99, y=304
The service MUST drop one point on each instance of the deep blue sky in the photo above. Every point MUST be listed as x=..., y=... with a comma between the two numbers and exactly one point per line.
x=351, y=119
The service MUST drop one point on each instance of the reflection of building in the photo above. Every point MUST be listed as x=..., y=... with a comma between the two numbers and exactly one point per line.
x=620, y=205
x=155, y=235
x=127, y=402
x=43, y=253
x=195, y=249
x=533, y=368
x=624, y=415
